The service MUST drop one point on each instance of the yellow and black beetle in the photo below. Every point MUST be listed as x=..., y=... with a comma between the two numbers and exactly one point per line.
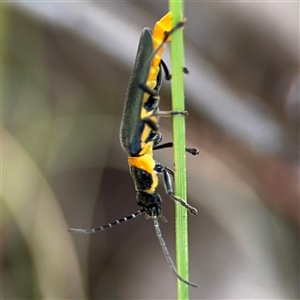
x=139, y=134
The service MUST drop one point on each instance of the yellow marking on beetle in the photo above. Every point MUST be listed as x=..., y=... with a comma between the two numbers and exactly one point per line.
x=158, y=35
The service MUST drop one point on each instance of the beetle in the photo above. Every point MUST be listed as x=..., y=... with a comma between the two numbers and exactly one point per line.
x=139, y=134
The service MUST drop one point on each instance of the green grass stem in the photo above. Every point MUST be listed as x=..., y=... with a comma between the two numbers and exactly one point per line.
x=177, y=63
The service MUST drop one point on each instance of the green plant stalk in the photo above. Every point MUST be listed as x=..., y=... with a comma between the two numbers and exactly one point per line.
x=177, y=57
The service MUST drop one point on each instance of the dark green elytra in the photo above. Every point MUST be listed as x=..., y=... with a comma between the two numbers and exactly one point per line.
x=130, y=131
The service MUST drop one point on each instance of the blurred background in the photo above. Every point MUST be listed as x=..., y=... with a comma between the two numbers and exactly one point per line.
x=65, y=70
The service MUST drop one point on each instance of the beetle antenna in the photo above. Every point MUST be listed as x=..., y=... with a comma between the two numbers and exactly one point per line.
x=109, y=225
x=166, y=251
